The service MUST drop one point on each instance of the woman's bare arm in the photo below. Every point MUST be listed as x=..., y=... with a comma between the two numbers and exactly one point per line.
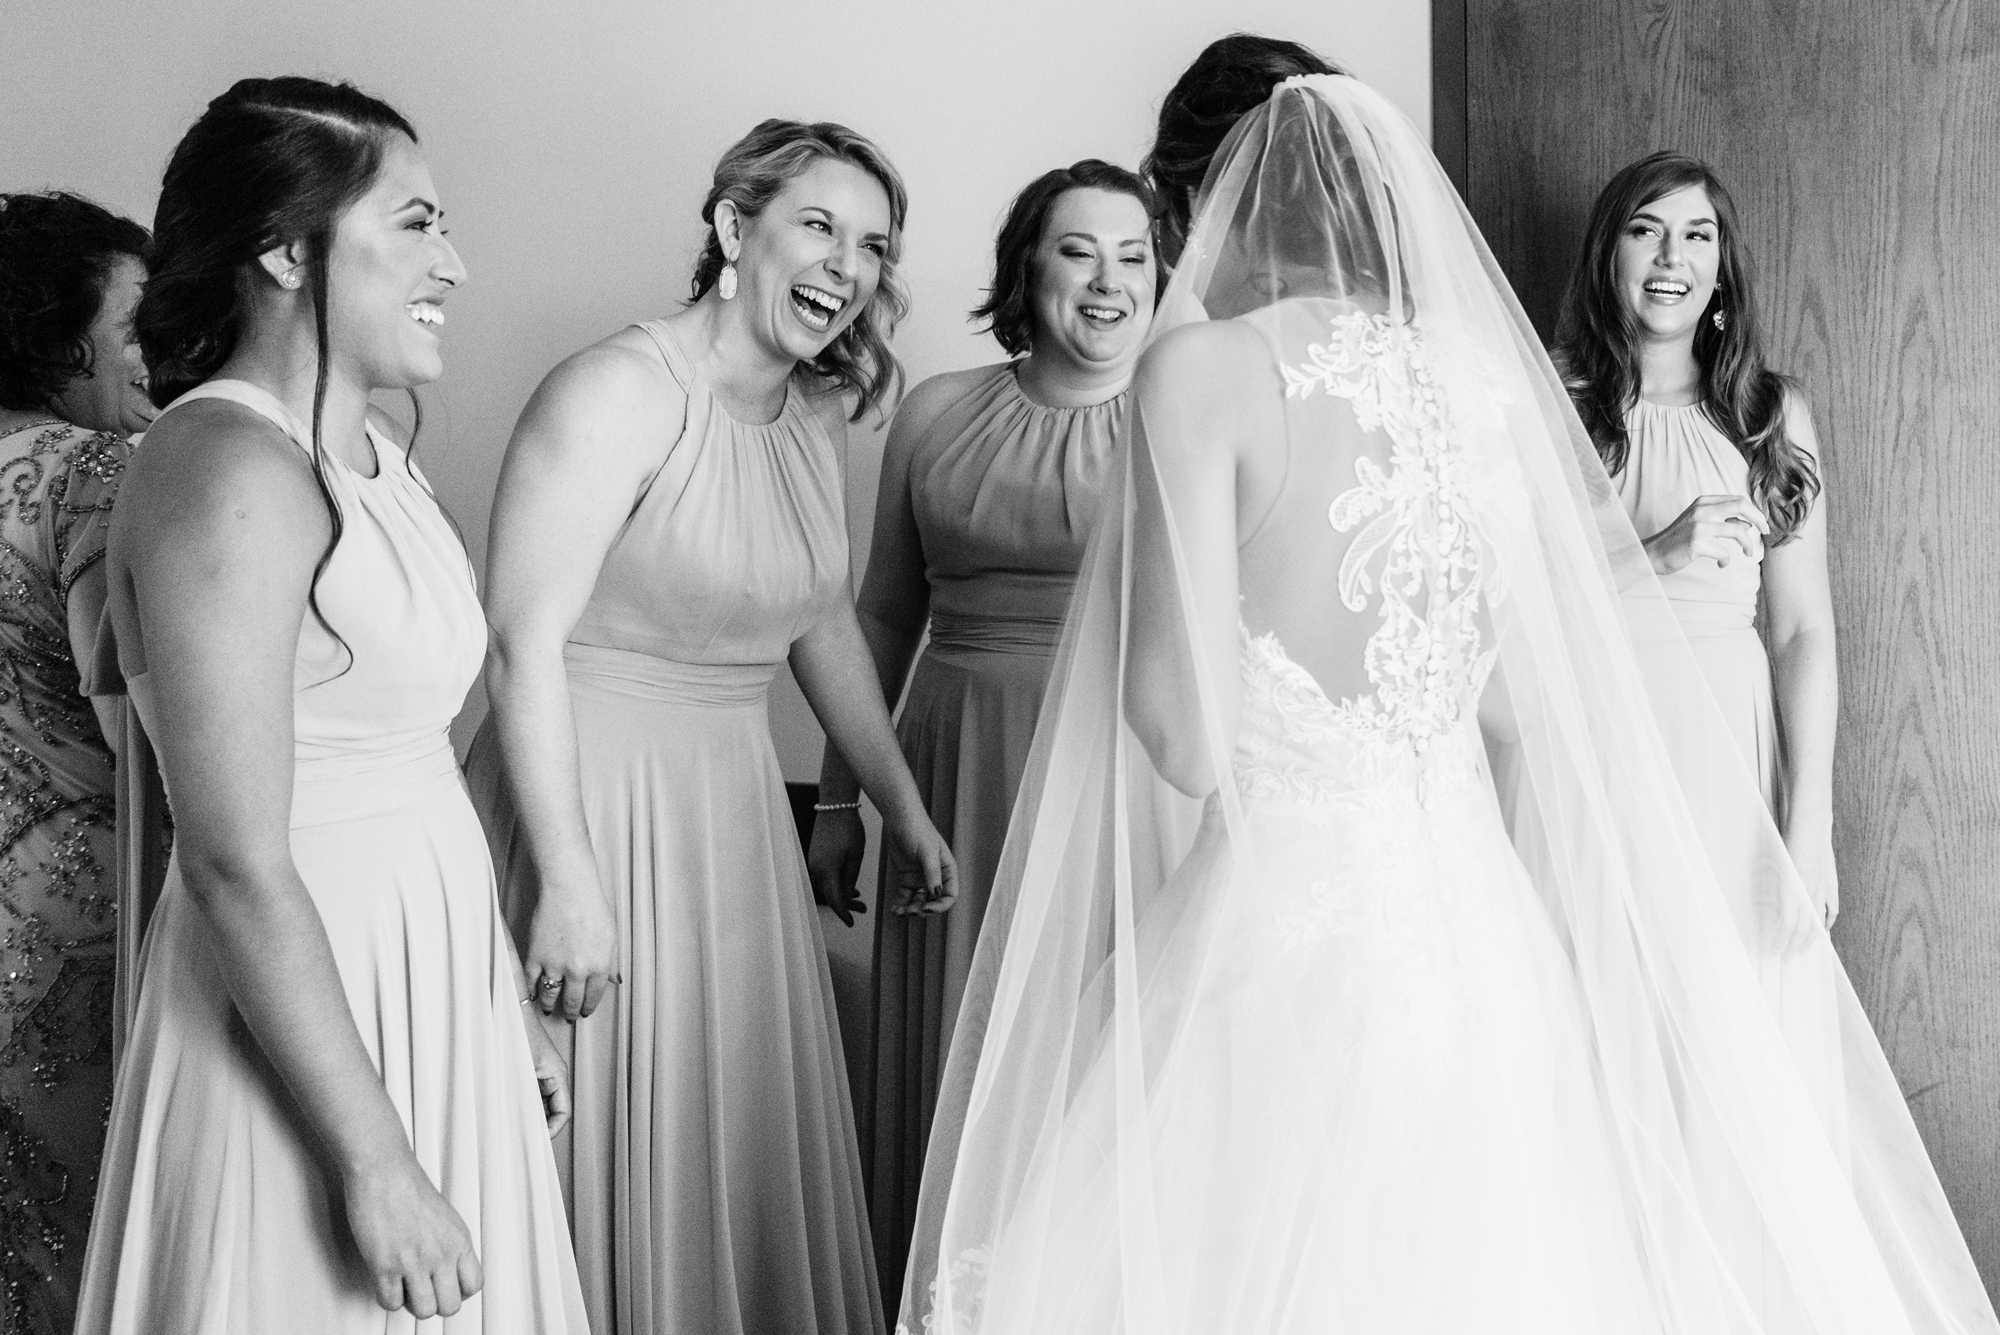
x=586, y=445
x=1798, y=605
x=891, y=611
x=218, y=534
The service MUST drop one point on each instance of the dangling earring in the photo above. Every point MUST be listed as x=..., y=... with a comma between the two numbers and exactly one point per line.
x=1719, y=318
x=725, y=283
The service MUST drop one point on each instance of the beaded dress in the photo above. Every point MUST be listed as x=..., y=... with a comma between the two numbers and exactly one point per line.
x=57, y=860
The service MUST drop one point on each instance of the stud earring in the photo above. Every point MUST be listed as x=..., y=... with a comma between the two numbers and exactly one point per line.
x=1719, y=318
x=725, y=283
x=290, y=278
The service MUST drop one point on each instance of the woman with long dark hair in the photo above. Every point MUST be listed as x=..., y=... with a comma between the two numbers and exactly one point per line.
x=988, y=489
x=1715, y=458
x=328, y=1103
x=669, y=529
x=72, y=387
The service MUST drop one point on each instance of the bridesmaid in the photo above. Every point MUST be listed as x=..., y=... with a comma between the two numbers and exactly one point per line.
x=1716, y=460
x=328, y=1107
x=72, y=387
x=669, y=529
x=988, y=486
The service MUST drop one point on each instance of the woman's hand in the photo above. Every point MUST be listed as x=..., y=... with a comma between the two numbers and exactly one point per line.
x=551, y=1071
x=416, y=1249
x=833, y=860
x=1804, y=913
x=1812, y=854
x=572, y=953
x=1722, y=528
x=925, y=873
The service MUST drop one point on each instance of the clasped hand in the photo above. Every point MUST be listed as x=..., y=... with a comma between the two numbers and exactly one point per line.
x=925, y=873
x=572, y=954
x=1721, y=528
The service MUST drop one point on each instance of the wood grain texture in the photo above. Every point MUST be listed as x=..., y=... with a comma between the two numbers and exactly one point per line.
x=1448, y=122
x=1862, y=143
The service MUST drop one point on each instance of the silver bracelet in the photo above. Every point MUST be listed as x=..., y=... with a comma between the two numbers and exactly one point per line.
x=855, y=805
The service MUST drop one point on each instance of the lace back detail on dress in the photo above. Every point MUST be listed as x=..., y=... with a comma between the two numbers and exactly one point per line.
x=1421, y=558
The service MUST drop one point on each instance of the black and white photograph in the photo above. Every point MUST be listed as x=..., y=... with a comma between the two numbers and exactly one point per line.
x=1064, y=667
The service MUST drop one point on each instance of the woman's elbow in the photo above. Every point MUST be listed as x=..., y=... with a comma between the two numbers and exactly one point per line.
x=513, y=656
x=1176, y=752
x=1805, y=640
x=227, y=878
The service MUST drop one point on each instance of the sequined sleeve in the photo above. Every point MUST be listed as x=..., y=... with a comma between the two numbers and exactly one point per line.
x=82, y=517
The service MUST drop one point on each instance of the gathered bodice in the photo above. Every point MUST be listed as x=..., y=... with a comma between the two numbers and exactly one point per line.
x=1676, y=455
x=1004, y=491
x=739, y=543
x=375, y=688
x=1376, y=551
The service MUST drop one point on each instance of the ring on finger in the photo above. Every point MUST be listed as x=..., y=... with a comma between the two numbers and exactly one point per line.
x=549, y=985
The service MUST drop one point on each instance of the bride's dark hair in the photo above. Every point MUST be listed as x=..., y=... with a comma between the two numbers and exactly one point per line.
x=1597, y=347
x=270, y=161
x=1232, y=76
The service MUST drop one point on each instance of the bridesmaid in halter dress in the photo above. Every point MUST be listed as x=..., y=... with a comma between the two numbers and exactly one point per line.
x=988, y=487
x=1716, y=460
x=669, y=529
x=327, y=1106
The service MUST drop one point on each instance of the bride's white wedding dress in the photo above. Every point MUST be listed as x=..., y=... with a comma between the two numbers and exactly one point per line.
x=1430, y=1014
x=1379, y=1107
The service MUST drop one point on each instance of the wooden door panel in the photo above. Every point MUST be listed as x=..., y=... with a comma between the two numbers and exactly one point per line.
x=1862, y=143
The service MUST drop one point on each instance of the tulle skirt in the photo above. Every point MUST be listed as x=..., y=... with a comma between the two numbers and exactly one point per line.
x=214, y=1213
x=714, y=1178
x=1370, y=1105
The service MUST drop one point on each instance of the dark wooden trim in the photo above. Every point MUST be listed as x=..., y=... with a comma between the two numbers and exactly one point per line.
x=1449, y=125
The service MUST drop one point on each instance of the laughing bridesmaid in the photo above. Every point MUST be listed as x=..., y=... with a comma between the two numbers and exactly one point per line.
x=326, y=1119
x=669, y=530
x=988, y=487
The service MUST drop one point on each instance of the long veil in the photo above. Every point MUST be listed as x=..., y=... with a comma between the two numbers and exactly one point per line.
x=1767, y=1176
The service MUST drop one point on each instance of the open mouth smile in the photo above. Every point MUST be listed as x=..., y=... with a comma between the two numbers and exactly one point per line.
x=426, y=312
x=816, y=306
x=1103, y=317
x=1672, y=289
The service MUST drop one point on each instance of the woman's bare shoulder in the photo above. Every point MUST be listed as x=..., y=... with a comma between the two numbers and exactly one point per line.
x=213, y=471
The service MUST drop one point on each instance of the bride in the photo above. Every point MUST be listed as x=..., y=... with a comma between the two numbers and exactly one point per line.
x=1363, y=969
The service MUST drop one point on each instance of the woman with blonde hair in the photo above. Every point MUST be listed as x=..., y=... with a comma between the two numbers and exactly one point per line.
x=669, y=529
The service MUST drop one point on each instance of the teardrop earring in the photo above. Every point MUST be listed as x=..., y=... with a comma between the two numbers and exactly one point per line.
x=725, y=283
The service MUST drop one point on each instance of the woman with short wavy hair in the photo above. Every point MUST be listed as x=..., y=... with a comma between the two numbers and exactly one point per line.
x=669, y=529
x=72, y=387
x=988, y=489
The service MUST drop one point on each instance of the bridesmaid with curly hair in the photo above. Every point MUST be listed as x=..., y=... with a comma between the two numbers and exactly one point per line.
x=1715, y=457
x=668, y=530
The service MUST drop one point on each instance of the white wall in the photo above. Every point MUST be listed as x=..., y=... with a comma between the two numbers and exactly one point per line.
x=573, y=143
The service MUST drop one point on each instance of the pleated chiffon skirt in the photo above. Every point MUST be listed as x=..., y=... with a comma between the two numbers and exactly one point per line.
x=966, y=727
x=712, y=1170
x=216, y=1214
